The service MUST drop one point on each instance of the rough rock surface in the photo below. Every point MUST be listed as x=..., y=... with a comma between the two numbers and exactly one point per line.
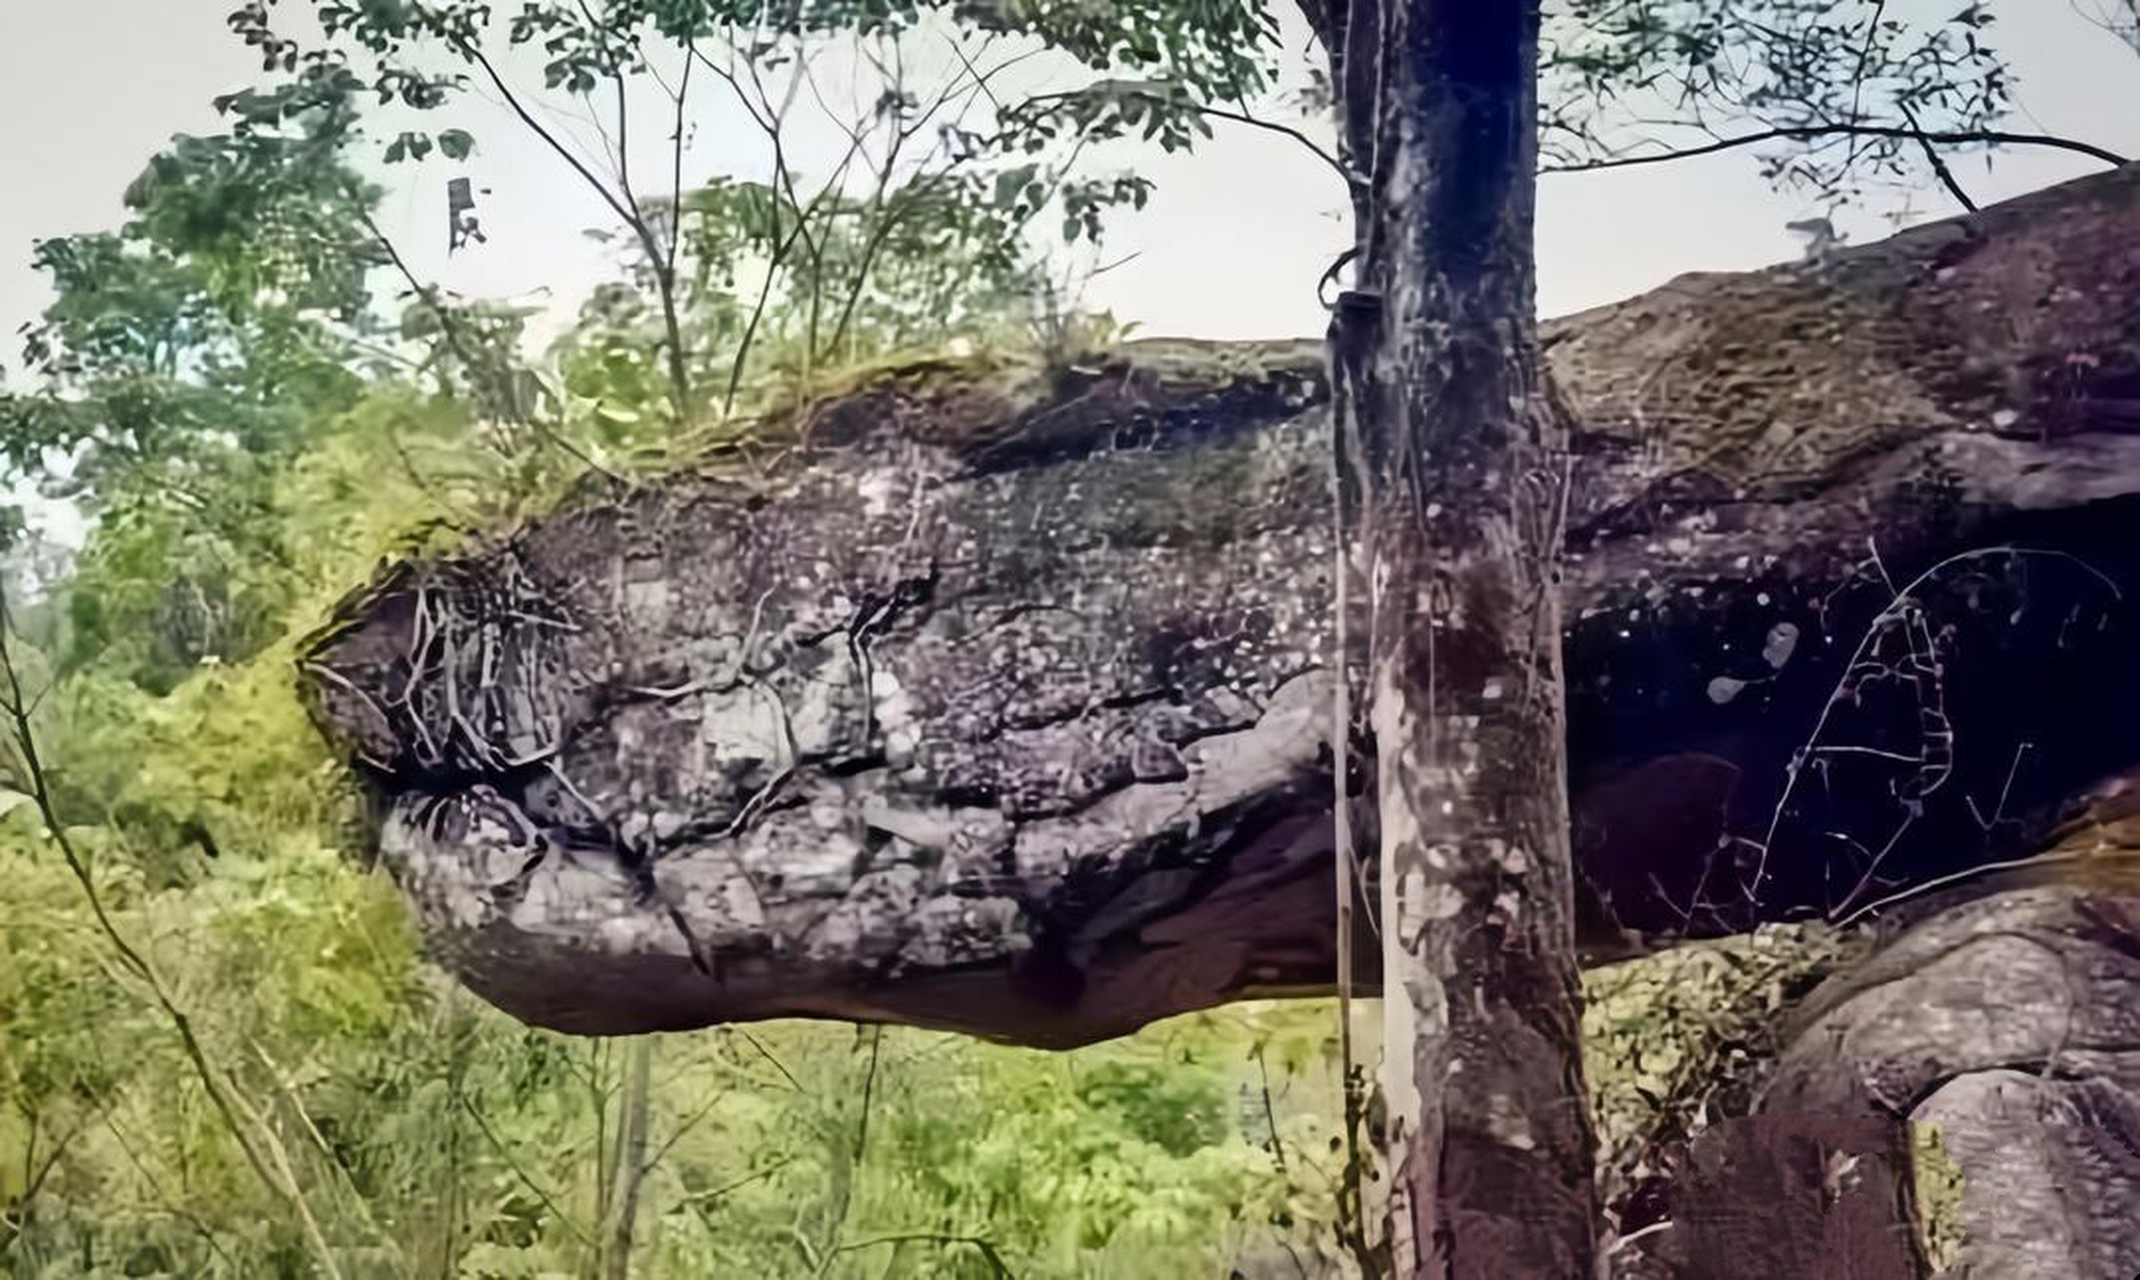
x=998, y=702
x=2011, y=1021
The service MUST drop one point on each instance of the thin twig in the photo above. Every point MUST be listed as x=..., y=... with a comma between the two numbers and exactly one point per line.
x=1895, y=612
x=518, y=108
x=698, y=1200
x=1937, y=161
x=778, y=1065
x=1270, y=1114
x=133, y=1157
x=505, y=1153
x=1802, y=133
x=869, y=1094
x=1984, y=868
x=696, y=1118
x=634, y=214
x=676, y=173
x=319, y=1140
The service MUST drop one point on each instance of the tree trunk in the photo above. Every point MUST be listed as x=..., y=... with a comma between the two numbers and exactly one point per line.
x=1460, y=468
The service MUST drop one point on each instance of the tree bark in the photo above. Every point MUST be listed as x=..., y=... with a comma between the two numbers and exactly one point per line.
x=1460, y=466
x=999, y=703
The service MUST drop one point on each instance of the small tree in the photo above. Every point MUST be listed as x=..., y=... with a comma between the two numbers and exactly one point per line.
x=182, y=357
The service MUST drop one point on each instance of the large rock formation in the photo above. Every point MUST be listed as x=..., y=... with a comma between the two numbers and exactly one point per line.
x=999, y=700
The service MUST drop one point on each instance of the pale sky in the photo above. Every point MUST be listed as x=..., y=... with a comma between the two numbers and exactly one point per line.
x=1232, y=245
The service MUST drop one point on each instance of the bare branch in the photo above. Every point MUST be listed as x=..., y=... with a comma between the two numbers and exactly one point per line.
x=1938, y=162
x=1990, y=137
x=676, y=173
x=634, y=213
x=549, y=139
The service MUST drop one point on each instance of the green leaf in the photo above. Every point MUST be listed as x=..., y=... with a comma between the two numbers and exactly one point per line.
x=1010, y=181
x=456, y=143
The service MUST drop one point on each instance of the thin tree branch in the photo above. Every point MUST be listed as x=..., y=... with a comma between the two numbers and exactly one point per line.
x=505, y=1153
x=1993, y=137
x=1857, y=77
x=630, y=1166
x=1937, y=161
x=682, y=1130
x=869, y=1094
x=657, y=258
x=16, y=1215
x=759, y=1045
x=1270, y=1113
x=697, y=1200
x=676, y=173
x=319, y=1140
x=549, y=139
x=770, y=122
x=133, y=1157
x=920, y=184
